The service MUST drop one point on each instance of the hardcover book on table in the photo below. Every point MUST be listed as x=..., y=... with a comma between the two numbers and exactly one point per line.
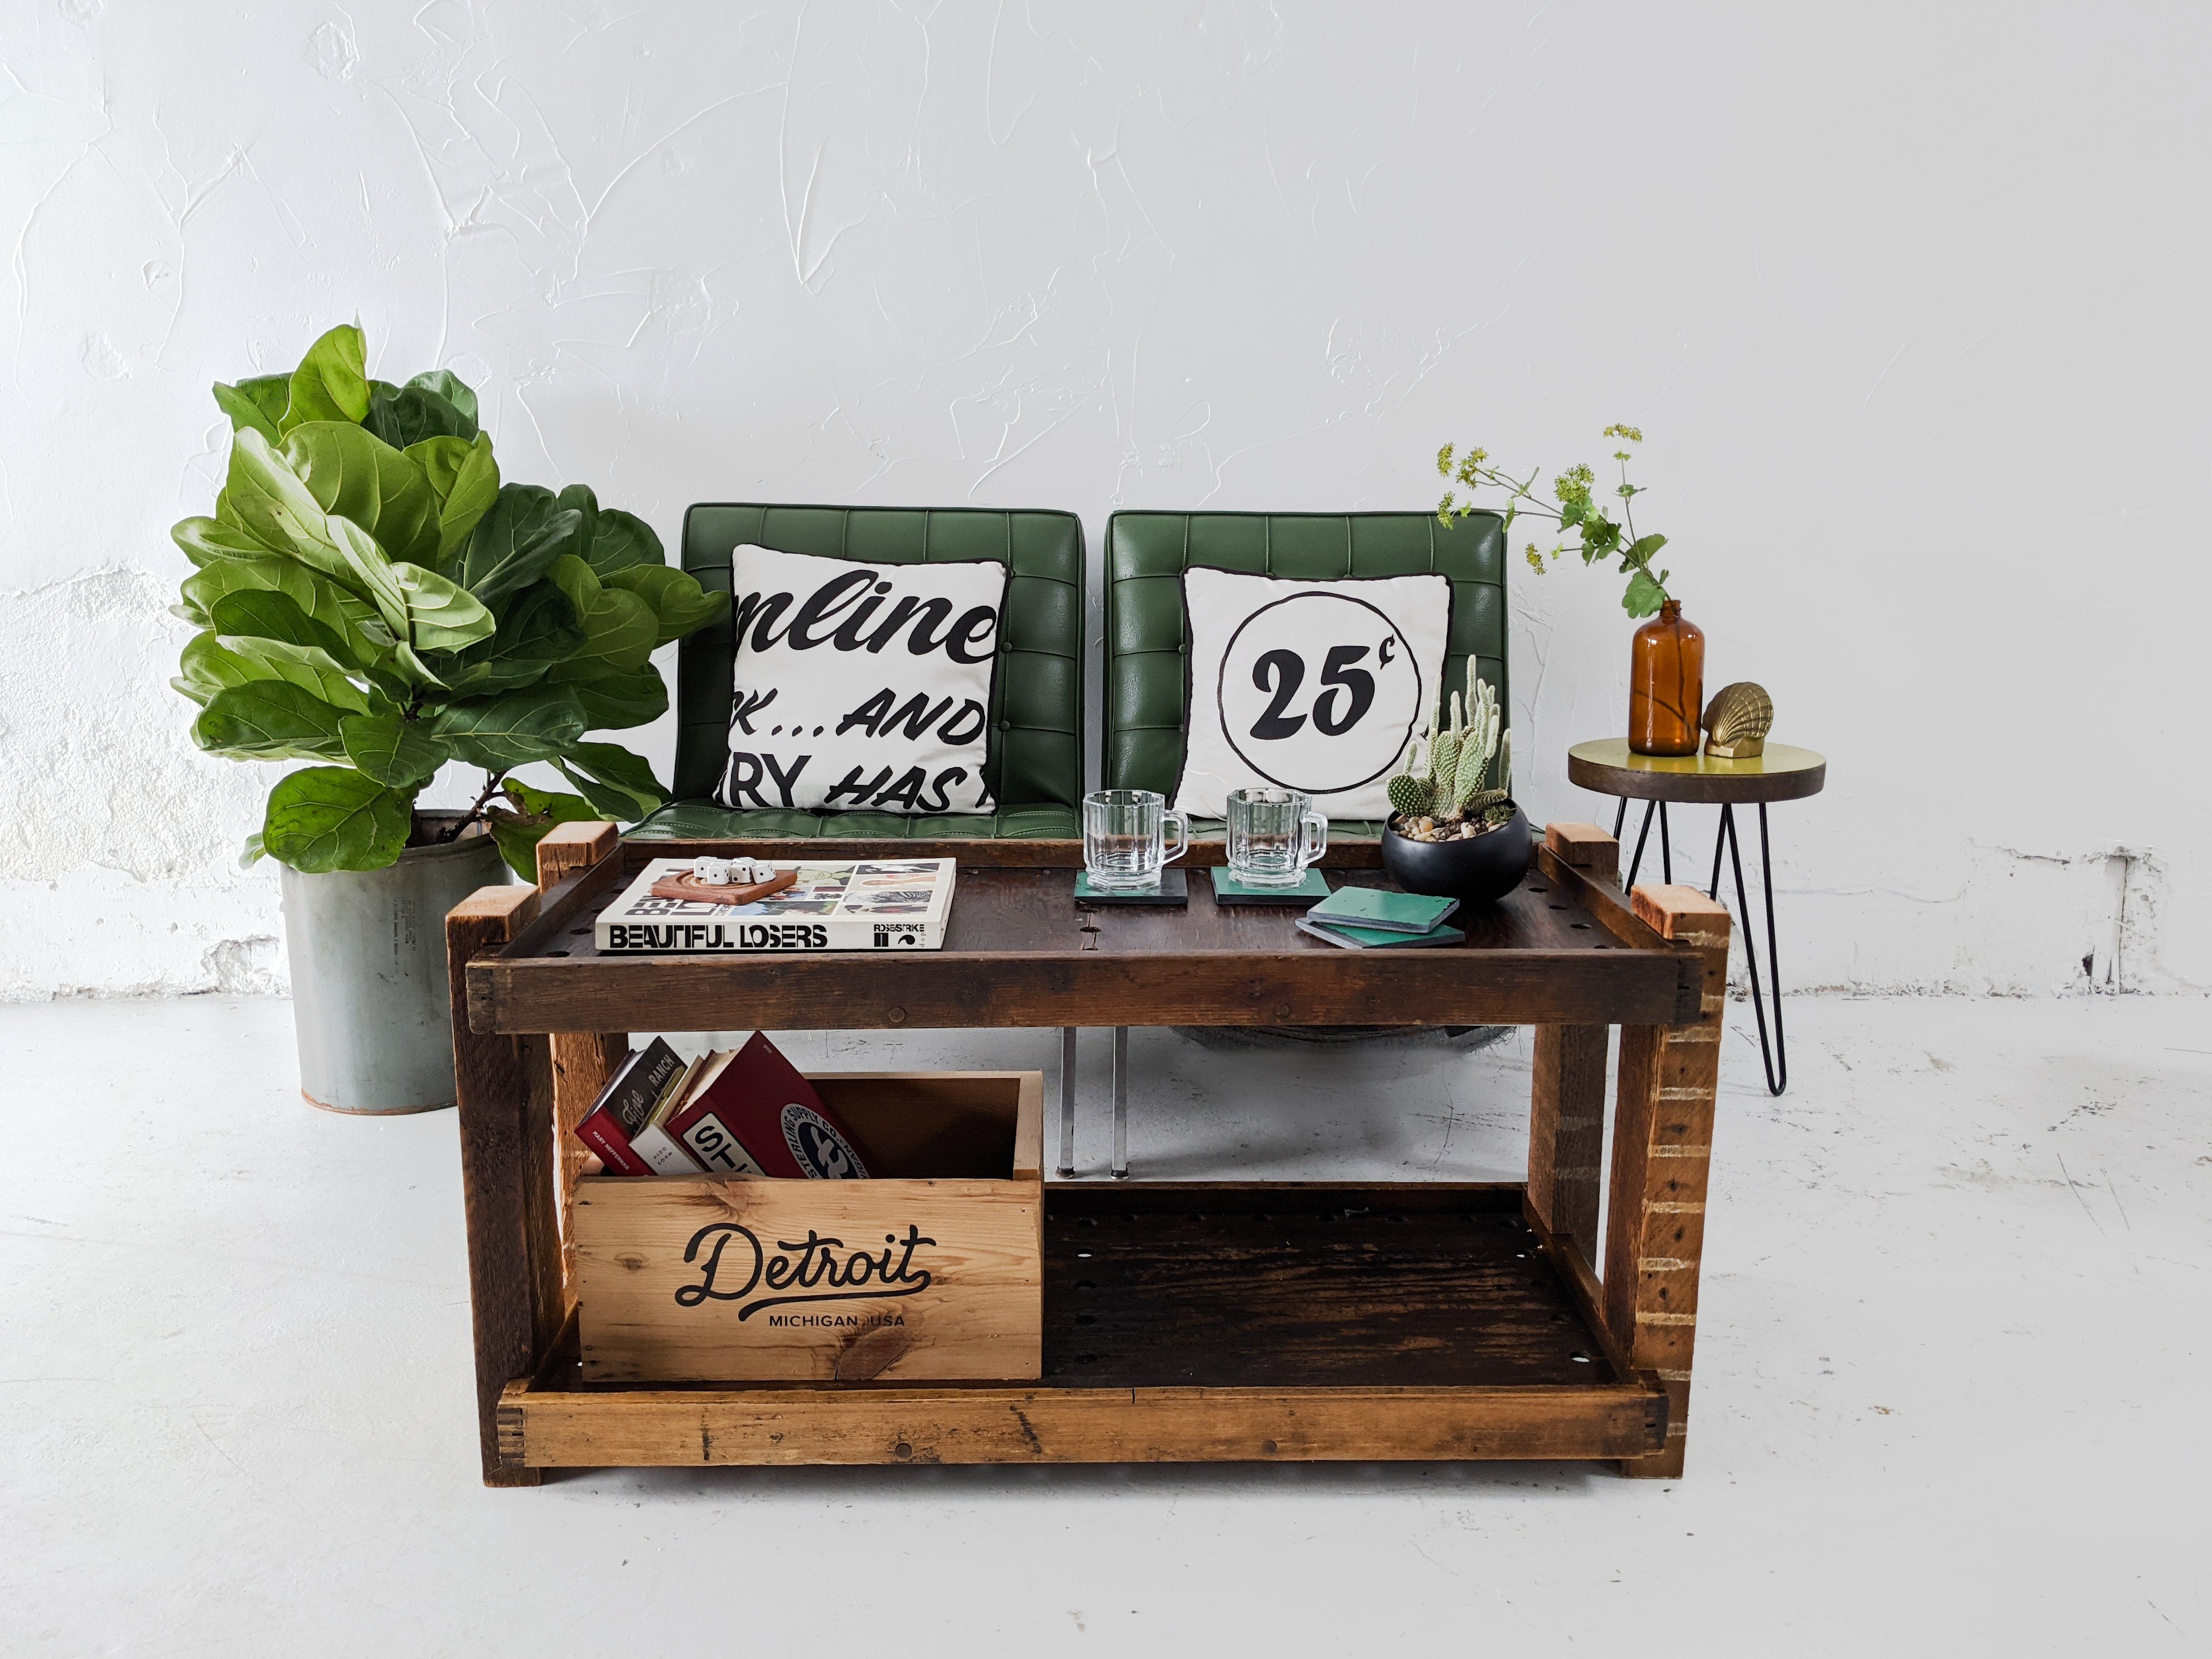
x=870, y=904
x=1377, y=907
x=1376, y=939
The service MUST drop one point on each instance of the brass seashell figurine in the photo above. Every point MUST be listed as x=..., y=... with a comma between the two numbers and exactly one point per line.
x=1737, y=720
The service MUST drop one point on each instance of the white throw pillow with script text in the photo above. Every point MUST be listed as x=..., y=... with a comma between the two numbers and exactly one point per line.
x=1310, y=685
x=861, y=686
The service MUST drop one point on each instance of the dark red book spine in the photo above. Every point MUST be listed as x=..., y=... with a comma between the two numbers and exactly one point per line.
x=603, y=1135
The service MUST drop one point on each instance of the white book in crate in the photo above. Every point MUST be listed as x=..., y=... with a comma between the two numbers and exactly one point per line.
x=868, y=904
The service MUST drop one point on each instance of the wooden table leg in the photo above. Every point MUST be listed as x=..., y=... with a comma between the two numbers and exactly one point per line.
x=1566, y=1107
x=1566, y=1130
x=582, y=1060
x=1662, y=1156
x=505, y=1085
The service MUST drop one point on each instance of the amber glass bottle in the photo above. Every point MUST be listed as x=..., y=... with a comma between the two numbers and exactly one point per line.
x=1666, y=684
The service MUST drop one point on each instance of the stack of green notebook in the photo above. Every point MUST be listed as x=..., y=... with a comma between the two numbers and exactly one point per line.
x=1369, y=919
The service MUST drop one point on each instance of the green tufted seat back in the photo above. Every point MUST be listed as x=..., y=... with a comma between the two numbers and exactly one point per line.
x=1148, y=637
x=1034, y=759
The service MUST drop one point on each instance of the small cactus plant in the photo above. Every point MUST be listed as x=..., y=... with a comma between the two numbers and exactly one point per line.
x=1441, y=787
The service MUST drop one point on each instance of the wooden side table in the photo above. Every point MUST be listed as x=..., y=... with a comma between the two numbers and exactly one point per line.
x=1783, y=773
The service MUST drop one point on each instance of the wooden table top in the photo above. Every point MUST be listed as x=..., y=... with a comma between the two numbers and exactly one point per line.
x=1020, y=951
x=1783, y=773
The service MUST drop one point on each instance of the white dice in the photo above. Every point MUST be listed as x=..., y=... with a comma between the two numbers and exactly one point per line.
x=725, y=873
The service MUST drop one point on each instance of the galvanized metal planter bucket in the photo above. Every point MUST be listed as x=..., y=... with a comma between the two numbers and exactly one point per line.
x=369, y=995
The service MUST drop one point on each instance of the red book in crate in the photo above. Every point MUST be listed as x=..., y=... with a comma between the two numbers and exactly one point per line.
x=620, y=1111
x=753, y=1114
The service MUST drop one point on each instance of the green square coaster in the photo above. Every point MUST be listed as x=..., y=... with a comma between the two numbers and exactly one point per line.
x=1173, y=891
x=1311, y=890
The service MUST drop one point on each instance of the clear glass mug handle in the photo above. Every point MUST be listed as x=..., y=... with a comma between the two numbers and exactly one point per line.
x=1181, y=836
x=1315, y=839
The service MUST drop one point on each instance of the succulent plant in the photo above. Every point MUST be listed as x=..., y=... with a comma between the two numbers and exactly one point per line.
x=1446, y=766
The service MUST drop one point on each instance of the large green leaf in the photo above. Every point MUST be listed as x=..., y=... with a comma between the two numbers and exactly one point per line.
x=578, y=499
x=414, y=669
x=466, y=478
x=517, y=541
x=209, y=664
x=398, y=752
x=621, y=539
x=331, y=383
x=577, y=580
x=220, y=595
x=617, y=782
x=677, y=600
x=537, y=629
x=440, y=616
x=354, y=474
x=619, y=631
x=370, y=571
x=475, y=489
x=332, y=817
x=512, y=729
x=270, y=719
x=263, y=614
x=264, y=497
x=453, y=389
x=404, y=414
x=518, y=833
x=1643, y=596
x=623, y=700
x=206, y=540
x=441, y=460
x=260, y=403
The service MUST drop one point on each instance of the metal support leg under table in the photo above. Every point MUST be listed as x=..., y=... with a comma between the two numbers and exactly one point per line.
x=1120, y=1103
x=1066, y=1100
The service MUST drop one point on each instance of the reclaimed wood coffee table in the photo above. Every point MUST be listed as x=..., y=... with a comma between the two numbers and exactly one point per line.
x=1183, y=1322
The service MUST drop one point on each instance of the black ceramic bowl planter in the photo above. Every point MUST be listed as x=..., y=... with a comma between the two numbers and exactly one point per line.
x=1478, y=869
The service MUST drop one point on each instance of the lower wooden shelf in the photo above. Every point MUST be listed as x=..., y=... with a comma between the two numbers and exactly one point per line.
x=1194, y=1321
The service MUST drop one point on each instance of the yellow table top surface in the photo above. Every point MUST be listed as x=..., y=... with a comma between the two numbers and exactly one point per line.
x=1783, y=772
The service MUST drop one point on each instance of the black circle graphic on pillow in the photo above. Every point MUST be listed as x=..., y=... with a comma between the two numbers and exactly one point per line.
x=1319, y=692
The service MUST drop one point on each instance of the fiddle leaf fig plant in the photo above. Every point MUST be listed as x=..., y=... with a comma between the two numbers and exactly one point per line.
x=372, y=599
x=1596, y=536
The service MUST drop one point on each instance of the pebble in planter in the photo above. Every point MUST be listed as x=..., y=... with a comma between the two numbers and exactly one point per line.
x=372, y=599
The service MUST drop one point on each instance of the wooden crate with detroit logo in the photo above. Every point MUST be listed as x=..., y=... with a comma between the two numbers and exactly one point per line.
x=932, y=1269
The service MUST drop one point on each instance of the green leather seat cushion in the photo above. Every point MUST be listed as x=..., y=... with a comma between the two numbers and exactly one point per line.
x=707, y=820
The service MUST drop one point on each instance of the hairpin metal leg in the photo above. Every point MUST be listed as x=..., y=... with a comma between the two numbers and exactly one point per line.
x=1067, y=1100
x=1120, y=1103
x=1775, y=1060
x=1666, y=846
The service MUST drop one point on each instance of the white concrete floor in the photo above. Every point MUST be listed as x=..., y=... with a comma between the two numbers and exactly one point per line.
x=1956, y=1285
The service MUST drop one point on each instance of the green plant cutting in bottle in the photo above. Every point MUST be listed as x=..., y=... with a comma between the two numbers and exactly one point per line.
x=1595, y=536
x=372, y=597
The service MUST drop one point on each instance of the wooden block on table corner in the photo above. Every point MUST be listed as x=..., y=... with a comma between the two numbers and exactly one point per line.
x=1675, y=910
x=514, y=904
x=567, y=848
x=1584, y=845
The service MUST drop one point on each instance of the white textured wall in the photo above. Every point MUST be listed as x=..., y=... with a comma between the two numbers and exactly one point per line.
x=1908, y=299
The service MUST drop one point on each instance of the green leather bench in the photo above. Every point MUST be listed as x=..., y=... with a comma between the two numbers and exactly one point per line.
x=1148, y=638
x=1035, y=762
x=1035, y=757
